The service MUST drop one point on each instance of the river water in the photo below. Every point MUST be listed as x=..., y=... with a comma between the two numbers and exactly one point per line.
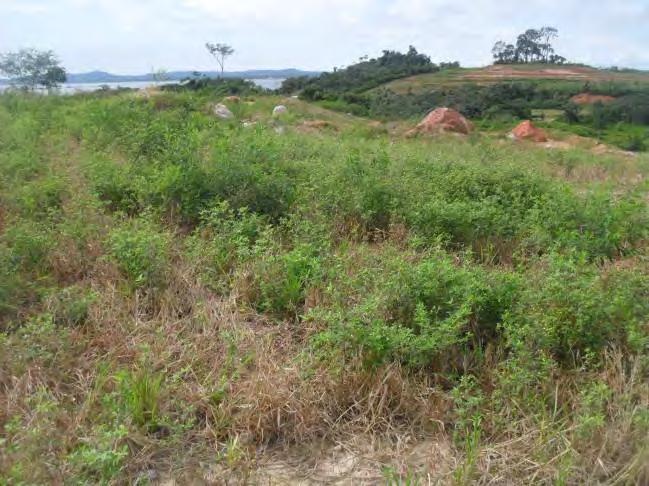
x=268, y=83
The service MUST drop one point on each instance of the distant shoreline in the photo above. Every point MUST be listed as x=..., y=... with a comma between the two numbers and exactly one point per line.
x=103, y=77
x=77, y=87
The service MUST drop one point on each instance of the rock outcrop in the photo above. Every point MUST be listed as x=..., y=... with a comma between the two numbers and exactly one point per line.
x=443, y=120
x=222, y=111
x=280, y=110
x=528, y=131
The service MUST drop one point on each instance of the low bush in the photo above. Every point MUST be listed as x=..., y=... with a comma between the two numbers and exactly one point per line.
x=282, y=281
x=573, y=312
x=224, y=241
x=142, y=253
x=70, y=306
x=424, y=312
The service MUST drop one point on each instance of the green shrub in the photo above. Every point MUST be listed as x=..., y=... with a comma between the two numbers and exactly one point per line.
x=142, y=253
x=636, y=143
x=573, y=311
x=425, y=313
x=70, y=306
x=41, y=197
x=114, y=185
x=24, y=266
x=283, y=280
x=28, y=245
x=252, y=174
x=101, y=458
x=225, y=239
x=599, y=225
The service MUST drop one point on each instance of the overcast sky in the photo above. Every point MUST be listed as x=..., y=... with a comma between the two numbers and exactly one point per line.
x=134, y=36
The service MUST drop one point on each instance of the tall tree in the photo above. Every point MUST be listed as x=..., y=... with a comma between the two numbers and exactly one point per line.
x=531, y=46
x=527, y=45
x=220, y=52
x=548, y=34
x=504, y=53
x=30, y=68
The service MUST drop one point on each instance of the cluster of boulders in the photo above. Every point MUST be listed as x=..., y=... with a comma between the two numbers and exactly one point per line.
x=220, y=110
x=440, y=120
x=447, y=120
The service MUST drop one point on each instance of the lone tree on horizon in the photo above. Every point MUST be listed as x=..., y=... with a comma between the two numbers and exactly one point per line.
x=220, y=52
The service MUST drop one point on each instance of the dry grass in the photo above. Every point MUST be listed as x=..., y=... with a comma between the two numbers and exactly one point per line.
x=282, y=417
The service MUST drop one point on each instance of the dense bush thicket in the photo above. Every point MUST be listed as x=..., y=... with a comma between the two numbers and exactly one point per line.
x=628, y=109
x=623, y=122
x=511, y=99
x=351, y=82
x=514, y=99
x=443, y=198
x=217, y=86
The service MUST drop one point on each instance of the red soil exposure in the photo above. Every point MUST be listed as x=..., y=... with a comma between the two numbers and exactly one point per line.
x=443, y=120
x=319, y=124
x=527, y=131
x=589, y=99
x=503, y=71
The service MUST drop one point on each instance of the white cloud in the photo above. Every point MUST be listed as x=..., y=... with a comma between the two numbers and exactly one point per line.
x=24, y=7
x=126, y=35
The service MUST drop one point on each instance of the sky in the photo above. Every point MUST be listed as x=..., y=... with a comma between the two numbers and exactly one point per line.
x=139, y=36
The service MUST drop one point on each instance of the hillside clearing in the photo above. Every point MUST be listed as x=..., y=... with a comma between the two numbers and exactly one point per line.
x=575, y=75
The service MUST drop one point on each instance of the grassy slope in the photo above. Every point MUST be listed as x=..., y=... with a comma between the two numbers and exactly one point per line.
x=451, y=309
x=492, y=74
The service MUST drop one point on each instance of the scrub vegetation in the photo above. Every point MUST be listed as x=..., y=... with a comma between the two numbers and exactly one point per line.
x=210, y=300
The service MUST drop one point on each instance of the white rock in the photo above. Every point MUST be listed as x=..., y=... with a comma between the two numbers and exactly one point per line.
x=280, y=110
x=222, y=111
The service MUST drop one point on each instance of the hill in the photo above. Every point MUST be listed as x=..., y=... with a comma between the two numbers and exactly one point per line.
x=577, y=74
x=556, y=95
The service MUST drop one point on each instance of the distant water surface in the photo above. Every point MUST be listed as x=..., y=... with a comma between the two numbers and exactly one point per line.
x=68, y=88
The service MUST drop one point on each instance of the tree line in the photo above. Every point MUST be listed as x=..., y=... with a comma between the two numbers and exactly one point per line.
x=364, y=75
x=532, y=46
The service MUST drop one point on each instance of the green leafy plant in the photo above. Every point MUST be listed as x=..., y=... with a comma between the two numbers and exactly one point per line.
x=141, y=393
x=142, y=253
